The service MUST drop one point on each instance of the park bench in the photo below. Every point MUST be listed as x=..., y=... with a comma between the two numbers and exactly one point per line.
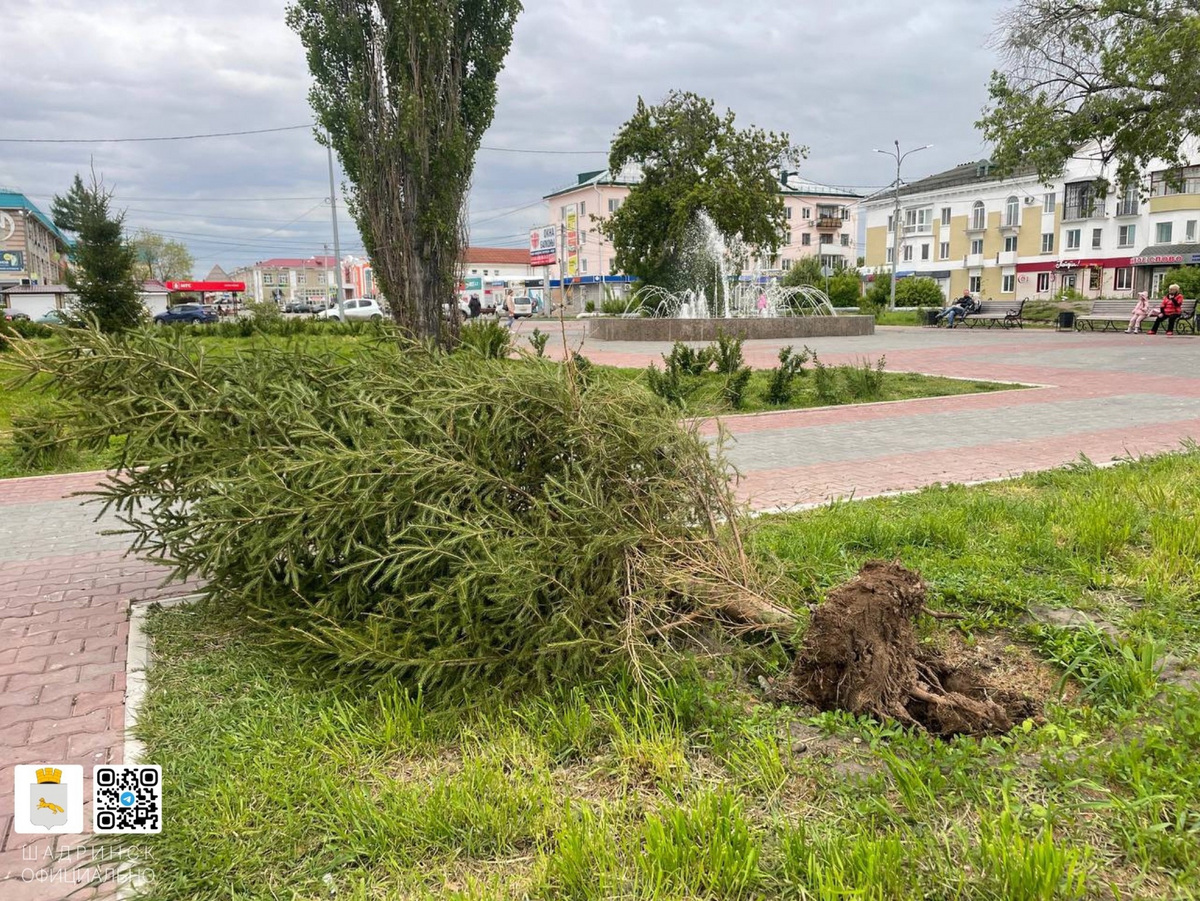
x=1115, y=314
x=1005, y=312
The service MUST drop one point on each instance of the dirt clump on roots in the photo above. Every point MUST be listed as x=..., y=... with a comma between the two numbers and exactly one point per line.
x=861, y=655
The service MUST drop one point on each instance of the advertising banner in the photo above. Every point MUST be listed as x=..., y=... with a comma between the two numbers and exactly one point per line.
x=543, y=246
x=572, y=240
x=12, y=261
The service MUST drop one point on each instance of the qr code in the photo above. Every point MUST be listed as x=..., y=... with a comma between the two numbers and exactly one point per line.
x=126, y=799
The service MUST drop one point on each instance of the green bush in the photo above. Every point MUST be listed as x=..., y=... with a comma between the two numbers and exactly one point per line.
x=918, y=292
x=669, y=384
x=619, y=306
x=864, y=381
x=688, y=360
x=538, y=341
x=486, y=338
x=1188, y=279
x=733, y=389
x=825, y=383
x=728, y=354
x=845, y=289
x=791, y=364
x=407, y=514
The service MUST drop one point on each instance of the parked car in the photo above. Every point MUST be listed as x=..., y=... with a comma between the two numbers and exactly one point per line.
x=355, y=310
x=523, y=306
x=187, y=312
x=58, y=317
x=464, y=309
x=12, y=315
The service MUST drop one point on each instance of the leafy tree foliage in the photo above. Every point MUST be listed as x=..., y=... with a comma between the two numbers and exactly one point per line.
x=161, y=259
x=693, y=159
x=405, y=92
x=102, y=275
x=845, y=288
x=805, y=271
x=1116, y=75
x=1188, y=279
x=918, y=292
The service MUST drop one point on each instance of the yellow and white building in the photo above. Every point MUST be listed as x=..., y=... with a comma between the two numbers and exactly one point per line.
x=969, y=229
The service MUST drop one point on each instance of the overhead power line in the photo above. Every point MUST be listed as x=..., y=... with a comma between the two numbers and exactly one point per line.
x=197, y=137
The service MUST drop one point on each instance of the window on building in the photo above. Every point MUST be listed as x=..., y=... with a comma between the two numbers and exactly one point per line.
x=1162, y=233
x=977, y=246
x=1123, y=279
x=1048, y=242
x=583, y=209
x=924, y=251
x=805, y=239
x=891, y=223
x=614, y=204
x=787, y=264
x=975, y=284
x=302, y=278
x=268, y=278
x=1012, y=211
x=1043, y=282
x=1008, y=284
x=1175, y=181
x=583, y=265
x=806, y=213
x=1189, y=231
x=918, y=221
x=1080, y=202
x=1126, y=235
x=906, y=252
x=826, y=239
x=946, y=216
x=320, y=278
x=1094, y=278
x=845, y=240
x=1073, y=238
x=1097, y=237
x=789, y=212
x=978, y=216
x=1127, y=205
x=1048, y=202
x=785, y=239
x=944, y=251
x=1010, y=244
x=889, y=255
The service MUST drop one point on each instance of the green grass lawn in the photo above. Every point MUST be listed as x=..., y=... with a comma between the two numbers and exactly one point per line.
x=278, y=787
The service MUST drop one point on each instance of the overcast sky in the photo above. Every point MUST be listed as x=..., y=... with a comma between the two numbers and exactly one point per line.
x=841, y=78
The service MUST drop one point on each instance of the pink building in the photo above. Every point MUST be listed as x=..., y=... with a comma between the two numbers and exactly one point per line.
x=822, y=222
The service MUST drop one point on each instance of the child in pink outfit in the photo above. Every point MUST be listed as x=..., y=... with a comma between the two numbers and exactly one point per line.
x=1140, y=311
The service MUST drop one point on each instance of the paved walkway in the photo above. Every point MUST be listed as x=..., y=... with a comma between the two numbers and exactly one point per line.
x=65, y=588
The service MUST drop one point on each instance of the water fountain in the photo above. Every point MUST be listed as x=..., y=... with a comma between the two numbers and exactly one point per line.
x=717, y=301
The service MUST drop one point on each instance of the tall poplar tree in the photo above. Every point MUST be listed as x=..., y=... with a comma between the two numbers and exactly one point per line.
x=404, y=90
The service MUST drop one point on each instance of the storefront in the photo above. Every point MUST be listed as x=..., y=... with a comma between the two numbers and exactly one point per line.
x=1155, y=262
x=1111, y=277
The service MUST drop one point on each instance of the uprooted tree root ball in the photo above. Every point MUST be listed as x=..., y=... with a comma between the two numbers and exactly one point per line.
x=861, y=655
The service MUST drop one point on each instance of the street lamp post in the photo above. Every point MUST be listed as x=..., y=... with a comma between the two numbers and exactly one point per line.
x=900, y=157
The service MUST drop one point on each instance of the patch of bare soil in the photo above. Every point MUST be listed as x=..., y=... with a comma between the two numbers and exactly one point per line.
x=861, y=655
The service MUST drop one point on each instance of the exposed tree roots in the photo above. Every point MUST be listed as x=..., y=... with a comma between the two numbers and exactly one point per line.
x=861, y=655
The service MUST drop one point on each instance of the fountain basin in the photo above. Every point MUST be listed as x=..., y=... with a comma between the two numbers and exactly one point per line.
x=750, y=329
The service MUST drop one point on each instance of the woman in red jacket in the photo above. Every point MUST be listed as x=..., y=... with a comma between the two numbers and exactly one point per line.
x=1172, y=307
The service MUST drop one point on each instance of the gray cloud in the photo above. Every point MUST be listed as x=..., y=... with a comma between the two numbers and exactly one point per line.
x=840, y=79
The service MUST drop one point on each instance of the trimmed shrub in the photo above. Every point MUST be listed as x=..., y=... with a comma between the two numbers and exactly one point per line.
x=733, y=390
x=728, y=354
x=538, y=341
x=791, y=364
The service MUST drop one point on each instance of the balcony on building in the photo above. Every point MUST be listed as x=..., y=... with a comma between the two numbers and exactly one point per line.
x=834, y=222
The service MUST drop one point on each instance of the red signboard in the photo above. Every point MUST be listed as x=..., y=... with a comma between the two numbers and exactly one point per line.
x=1073, y=265
x=208, y=287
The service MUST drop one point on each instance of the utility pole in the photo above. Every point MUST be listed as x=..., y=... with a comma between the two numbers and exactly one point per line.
x=337, y=247
x=900, y=157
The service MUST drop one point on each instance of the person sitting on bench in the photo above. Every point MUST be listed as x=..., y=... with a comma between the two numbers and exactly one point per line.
x=1171, y=309
x=964, y=305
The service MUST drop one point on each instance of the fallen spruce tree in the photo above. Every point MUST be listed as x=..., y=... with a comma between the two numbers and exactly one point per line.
x=389, y=509
x=395, y=511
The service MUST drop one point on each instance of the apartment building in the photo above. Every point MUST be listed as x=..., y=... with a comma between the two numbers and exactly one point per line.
x=287, y=279
x=822, y=221
x=32, y=249
x=969, y=229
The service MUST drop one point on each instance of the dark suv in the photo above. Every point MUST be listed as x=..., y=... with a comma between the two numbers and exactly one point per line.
x=186, y=312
